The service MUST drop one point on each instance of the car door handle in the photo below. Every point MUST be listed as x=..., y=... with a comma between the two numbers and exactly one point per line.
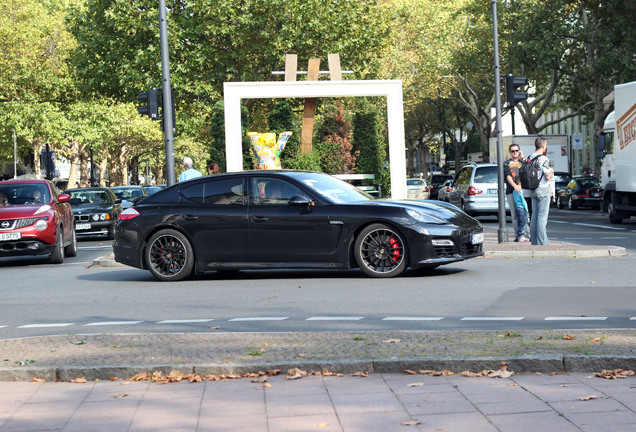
x=190, y=217
x=259, y=219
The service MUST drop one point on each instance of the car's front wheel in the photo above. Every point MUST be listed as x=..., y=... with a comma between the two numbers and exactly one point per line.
x=57, y=257
x=380, y=251
x=169, y=255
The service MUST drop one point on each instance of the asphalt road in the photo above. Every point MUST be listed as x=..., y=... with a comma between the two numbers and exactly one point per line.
x=486, y=293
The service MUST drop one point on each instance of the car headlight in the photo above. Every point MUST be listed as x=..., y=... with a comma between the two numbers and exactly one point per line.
x=40, y=225
x=44, y=208
x=95, y=217
x=103, y=216
x=423, y=217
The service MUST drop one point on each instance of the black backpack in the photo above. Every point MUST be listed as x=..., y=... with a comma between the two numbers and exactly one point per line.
x=529, y=173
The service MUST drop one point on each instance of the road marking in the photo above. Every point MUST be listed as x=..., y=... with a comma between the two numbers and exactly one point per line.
x=107, y=323
x=412, y=318
x=556, y=221
x=597, y=226
x=491, y=319
x=576, y=238
x=557, y=318
x=4, y=326
x=185, y=321
x=334, y=318
x=613, y=238
x=95, y=247
x=632, y=318
x=46, y=325
x=260, y=319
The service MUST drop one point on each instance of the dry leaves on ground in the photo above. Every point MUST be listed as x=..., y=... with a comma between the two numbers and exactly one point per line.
x=429, y=372
x=615, y=373
x=503, y=372
x=410, y=423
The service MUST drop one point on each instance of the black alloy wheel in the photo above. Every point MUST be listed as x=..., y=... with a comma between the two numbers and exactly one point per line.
x=57, y=256
x=380, y=251
x=571, y=204
x=169, y=255
x=71, y=249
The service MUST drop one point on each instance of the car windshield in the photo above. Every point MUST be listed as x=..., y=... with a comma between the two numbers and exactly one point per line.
x=81, y=197
x=23, y=193
x=332, y=188
x=415, y=182
x=127, y=193
x=561, y=179
x=589, y=182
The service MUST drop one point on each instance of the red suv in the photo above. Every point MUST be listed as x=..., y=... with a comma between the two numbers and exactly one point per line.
x=35, y=220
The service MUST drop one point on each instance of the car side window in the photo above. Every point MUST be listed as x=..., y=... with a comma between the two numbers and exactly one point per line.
x=273, y=191
x=216, y=192
x=464, y=176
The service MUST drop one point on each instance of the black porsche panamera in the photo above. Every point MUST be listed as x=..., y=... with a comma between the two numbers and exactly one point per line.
x=291, y=220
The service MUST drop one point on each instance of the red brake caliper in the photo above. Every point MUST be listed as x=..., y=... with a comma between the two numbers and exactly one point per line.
x=395, y=254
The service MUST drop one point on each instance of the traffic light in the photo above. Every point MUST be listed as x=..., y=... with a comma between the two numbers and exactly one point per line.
x=513, y=97
x=151, y=98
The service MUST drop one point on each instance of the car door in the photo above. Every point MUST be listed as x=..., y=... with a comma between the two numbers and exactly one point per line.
x=285, y=233
x=460, y=186
x=214, y=215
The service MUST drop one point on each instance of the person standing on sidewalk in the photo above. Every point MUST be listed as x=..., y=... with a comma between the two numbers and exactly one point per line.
x=189, y=172
x=512, y=164
x=541, y=195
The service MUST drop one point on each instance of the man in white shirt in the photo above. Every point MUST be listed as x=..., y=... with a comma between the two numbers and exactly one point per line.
x=541, y=195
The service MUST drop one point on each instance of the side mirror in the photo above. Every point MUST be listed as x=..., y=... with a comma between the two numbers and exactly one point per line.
x=62, y=198
x=299, y=200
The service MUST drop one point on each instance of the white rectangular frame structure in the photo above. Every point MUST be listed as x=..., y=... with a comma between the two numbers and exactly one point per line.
x=234, y=92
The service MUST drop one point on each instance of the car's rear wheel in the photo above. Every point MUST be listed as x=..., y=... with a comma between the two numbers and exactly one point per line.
x=169, y=255
x=380, y=251
x=57, y=257
x=71, y=250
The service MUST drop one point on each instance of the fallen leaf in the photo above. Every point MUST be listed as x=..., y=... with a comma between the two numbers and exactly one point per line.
x=587, y=398
x=40, y=380
x=322, y=425
x=417, y=384
x=392, y=340
x=360, y=374
x=302, y=355
x=410, y=423
x=260, y=380
x=80, y=380
x=113, y=379
x=215, y=328
x=267, y=385
x=568, y=337
x=120, y=395
x=615, y=373
x=503, y=366
x=596, y=339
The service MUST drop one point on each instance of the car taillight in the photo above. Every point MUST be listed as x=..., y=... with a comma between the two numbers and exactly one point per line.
x=474, y=191
x=129, y=213
x=425, y=189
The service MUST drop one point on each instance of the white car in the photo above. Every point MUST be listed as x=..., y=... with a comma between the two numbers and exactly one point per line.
x=417, y=189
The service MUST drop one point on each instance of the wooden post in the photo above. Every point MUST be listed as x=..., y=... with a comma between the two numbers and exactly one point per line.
x=334, y=67
x=291, y=66
x=309, y=111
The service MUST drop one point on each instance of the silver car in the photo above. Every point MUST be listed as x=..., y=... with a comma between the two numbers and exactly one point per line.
x=475, y=189
x=444, y=190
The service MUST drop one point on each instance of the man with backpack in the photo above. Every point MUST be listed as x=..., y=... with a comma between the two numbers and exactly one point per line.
x=541, y=192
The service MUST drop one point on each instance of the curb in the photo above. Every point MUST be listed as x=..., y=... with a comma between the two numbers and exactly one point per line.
x=546, y=363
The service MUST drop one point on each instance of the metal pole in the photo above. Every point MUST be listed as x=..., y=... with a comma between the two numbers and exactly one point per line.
x=15, y=155
x=502, y=233
x=168, y=126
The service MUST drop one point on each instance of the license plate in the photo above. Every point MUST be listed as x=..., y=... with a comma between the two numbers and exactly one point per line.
x=10, y=236
x=596, y=195
x=478, y=238
x=83, y=226
x=492, y=191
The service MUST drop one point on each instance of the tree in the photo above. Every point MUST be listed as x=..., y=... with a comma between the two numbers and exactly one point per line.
x=334, y=141
x=368, y=143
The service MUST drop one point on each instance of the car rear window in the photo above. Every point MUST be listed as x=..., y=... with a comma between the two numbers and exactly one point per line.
x=486, y=174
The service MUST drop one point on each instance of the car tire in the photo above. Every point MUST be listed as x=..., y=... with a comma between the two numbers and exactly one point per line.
x=559, y=203
x=71, y=250
x=111, y=232
x=169, y=255
x=380, y=251
x=611, y=211
x=57, y=256
x=571, y=204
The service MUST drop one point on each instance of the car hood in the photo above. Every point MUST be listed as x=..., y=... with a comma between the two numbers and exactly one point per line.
x=90, y=208
x=15, y=212
x=439, y=209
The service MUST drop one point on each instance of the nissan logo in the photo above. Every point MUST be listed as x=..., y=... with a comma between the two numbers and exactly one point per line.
x=6, y=224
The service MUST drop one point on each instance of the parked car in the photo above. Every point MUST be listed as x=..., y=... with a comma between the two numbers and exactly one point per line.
x=444, y=190
x=35, y=219
x=417, y=188
x=288, y=219
x=561, y=180
x=475, y=189
x=580, y=192
x=436, y=182
x=95, y=211
x=128, y=194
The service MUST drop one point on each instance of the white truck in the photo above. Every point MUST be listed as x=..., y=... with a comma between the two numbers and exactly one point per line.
x=617, y=147
x=558, y=149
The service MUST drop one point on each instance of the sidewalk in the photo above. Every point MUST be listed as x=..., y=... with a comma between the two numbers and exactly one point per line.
x=376, y=403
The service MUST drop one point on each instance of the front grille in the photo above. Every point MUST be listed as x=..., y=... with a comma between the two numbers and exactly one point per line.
x=444, y=251
x=20, y=223
x=82, y=218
